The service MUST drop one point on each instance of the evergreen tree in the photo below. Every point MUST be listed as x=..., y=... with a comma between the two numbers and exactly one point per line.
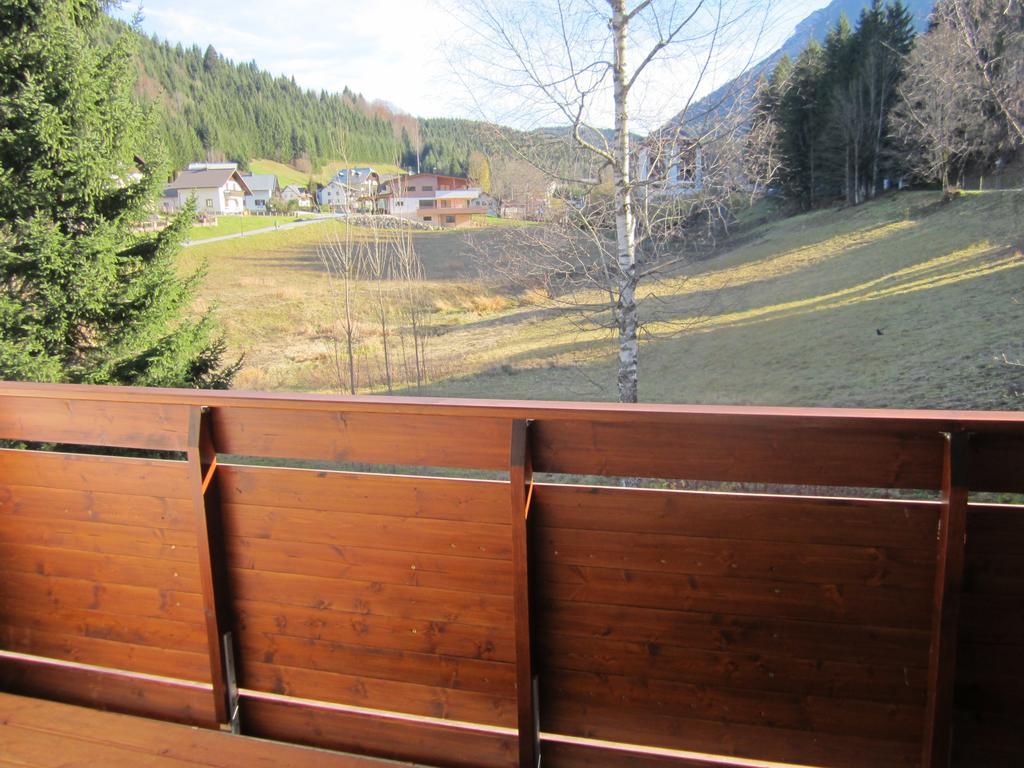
x=803, y=116
x=833, y=115
x=85, y=298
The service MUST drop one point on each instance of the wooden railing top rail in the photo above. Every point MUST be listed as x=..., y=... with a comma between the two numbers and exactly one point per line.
x=782, y=446
x=854, y=418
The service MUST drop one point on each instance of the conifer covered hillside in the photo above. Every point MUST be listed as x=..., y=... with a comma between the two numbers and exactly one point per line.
x=210, y=107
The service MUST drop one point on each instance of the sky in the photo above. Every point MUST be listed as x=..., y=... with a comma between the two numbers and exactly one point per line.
x=397, y=51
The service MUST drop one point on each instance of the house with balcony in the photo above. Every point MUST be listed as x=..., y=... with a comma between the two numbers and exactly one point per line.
x=218, y=188
x=431, y=198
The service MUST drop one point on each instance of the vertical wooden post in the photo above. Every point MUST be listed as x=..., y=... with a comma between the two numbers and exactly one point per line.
x=520, y=475
x=949, y=577
x=202, y=461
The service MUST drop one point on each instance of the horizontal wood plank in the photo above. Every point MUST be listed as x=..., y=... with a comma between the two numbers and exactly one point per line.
x=751, y=671
x=370, y=438
x=104, y=652
x=125, y=600
x=467, y=501
x=407, y=534
x=100, y=568
x=909, y=525
x=635, y=699
x=482, y=676
x=844, y=603
x=739, y=452
x=344, y=561
x=447, y=638
x=371, y=598
x=776, y=636
x=132, y=695
x=729, y=739
x=100, y=538
x=401, y=739
x=876, y=566
x=355, y=689
x=160, y=427
x=570, y=752
x=104, y=474
x=156, y=633
x=183, y=745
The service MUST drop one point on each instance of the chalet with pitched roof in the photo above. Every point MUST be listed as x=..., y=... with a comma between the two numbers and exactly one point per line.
x=218, y=188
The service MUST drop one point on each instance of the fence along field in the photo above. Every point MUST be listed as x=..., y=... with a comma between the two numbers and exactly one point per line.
x=410, y=617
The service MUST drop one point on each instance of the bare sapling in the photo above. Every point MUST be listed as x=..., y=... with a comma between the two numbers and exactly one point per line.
x=339, y=253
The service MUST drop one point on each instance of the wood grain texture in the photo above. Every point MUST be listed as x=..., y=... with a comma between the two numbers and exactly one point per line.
x=371, y=438
x=988, y=727
x=762, y=626
x=95, y=474
x=520, y=475
x=211, y=564
x=132, y=695
x=734, y=516
x=121, y=741
x=420, y=741
x=937, y=741
x=466, y=501
x=161, y=427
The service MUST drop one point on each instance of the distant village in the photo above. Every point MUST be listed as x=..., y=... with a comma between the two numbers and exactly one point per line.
x=431, y=199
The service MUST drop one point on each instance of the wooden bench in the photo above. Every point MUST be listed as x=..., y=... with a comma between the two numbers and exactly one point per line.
x=43, y=734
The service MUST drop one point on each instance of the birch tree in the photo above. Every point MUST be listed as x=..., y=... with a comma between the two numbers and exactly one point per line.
x=577, y=64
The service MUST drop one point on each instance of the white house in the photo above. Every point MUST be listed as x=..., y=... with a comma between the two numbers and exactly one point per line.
x=263, y=187
x=300, y=194
x=217, y=189
x=335, y=196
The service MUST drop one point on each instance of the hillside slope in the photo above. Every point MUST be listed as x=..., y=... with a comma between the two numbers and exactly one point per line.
x=906, y=302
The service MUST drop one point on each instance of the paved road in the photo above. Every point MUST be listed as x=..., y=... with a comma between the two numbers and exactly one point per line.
x=279, y=228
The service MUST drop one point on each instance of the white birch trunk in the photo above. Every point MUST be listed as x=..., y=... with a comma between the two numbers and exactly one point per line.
x=626, y=310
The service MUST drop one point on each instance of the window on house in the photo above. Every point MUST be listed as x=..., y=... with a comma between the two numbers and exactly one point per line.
x=428, y=188
x=412, y=189
x=427, y=204
x=428, y=218
x=449, y=219
x=209, y=203
x=260, y=203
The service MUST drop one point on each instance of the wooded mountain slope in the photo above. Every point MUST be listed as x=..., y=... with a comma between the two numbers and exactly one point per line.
x=210, y=107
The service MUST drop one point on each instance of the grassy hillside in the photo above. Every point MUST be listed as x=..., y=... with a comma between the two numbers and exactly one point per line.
x=908, y=301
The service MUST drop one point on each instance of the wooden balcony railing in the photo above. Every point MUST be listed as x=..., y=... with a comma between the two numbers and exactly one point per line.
x=484, y=621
